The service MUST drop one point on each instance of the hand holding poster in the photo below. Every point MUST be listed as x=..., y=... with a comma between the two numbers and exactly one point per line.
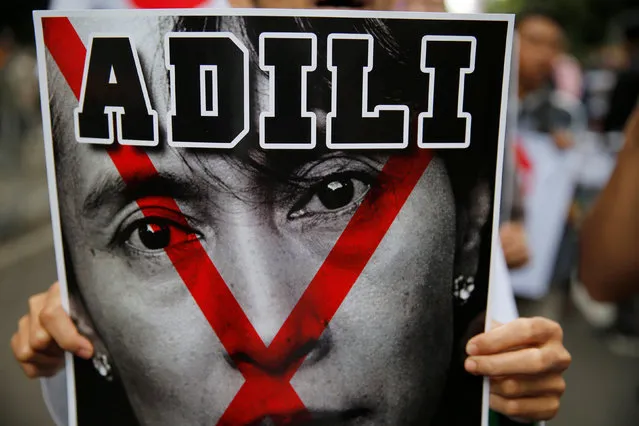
x=274, y=217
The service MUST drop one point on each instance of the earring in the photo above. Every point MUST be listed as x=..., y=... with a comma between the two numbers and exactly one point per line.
x=463, y=288
x=103, y=366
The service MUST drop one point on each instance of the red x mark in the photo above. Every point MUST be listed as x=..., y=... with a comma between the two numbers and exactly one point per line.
x=263, y=391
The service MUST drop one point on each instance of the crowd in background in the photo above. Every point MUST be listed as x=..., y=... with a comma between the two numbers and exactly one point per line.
x=581, y=108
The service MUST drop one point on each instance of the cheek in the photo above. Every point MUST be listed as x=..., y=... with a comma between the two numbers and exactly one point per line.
x=152, y=328
x=397, y=322
x=159, y=340
x=404, y=296
x=131, y=307
x=411, y=272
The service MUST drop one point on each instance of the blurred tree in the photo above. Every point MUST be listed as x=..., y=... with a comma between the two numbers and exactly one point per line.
x=588, y=23
x=16, y=18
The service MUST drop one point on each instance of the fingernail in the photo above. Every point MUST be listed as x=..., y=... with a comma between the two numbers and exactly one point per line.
x=85, y=353
x=470, y=365
x=472, y=349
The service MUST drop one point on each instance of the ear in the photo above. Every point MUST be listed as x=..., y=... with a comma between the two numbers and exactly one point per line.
x=472, y=217
x=85, y=326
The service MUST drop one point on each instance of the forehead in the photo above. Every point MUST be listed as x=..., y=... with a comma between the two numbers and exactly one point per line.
x=539, y=25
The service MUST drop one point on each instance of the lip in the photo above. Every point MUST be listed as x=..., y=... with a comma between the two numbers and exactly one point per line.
x=317, y=418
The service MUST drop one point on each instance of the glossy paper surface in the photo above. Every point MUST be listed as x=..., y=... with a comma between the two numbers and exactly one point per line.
x=274, y=217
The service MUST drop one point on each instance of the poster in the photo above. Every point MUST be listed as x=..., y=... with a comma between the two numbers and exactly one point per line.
x=274, y=217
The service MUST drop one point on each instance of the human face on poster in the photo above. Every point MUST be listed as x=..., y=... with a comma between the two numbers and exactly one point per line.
x=286, y=229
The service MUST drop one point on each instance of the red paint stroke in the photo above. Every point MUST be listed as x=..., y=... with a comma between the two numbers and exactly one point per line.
x=263, y=392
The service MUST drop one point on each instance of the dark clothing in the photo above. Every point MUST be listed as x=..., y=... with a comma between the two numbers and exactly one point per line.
x=623, y=100
x=547, y=110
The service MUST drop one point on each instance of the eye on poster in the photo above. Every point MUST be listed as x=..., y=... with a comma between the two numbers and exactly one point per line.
x=271, y=217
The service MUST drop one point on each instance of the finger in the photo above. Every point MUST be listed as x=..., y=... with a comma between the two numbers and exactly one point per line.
x=535, y=409
x=20, y=341
x=514, y=256
x=563, y=139
x=505, y=234
x=24, y=353
x=58, y=324
x=517, y=247
x=519, y=244
x=39, y=339
x=528, y=361
x=517, y=255
x=508, y=246
x=521, y=257
x=516, y=334
x=516, y=230
x=526, y=386
x=508, y=239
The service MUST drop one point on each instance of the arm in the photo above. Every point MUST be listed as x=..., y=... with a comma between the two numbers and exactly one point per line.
x=609, y=261
x=515, y=244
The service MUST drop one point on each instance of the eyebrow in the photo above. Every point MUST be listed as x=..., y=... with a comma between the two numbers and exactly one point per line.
x=112, y=191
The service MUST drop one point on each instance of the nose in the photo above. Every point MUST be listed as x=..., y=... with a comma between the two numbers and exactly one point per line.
x=301, y=353
x=267, y=270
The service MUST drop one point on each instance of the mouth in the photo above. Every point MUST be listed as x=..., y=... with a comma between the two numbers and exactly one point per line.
x=343, y=4
x=314, y=418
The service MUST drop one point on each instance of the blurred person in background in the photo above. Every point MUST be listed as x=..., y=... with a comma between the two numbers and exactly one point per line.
x=18, y=82
x=568, y=76
x=544, y=106
x=10, y=121
x=541, y=108
x=550, y=88
x=22, y=178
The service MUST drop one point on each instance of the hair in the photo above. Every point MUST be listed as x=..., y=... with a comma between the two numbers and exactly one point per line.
x=467, y=169
x=631, y=28
x=547, y=13
x=401, y=55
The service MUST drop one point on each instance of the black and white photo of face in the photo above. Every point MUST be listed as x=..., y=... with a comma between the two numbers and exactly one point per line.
x=382, y=360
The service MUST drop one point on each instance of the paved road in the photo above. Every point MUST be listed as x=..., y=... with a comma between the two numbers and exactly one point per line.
x=602, y=388
x=30, y=268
